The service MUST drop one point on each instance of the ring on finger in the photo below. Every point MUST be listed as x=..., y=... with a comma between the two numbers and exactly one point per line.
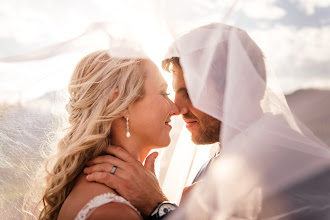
x=113, y=170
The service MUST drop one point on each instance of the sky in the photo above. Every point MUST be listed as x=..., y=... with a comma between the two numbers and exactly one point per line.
x=294, y=35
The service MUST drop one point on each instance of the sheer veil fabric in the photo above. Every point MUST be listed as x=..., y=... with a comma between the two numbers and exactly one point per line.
x=265, y=150
x=268, y=159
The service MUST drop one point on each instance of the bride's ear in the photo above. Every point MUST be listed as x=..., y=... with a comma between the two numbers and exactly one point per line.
x=114, y=95
x=125, y=113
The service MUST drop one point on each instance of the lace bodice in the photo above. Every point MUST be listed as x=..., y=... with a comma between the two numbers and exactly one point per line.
x=98, y=201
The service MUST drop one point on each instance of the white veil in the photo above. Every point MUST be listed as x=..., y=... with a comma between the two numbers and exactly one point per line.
x=264, y=150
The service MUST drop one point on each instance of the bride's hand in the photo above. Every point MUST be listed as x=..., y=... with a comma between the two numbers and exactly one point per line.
x=133, y=181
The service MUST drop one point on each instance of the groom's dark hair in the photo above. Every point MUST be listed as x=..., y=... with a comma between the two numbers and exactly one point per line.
x=166, y=64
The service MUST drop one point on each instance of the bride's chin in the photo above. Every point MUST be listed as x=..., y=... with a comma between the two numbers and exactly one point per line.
x=165, y=143
x=168, y=142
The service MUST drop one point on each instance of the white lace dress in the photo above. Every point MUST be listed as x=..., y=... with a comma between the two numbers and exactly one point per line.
x=98, y=201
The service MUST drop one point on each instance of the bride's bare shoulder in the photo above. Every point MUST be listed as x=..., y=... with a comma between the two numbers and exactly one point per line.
x=82, y=192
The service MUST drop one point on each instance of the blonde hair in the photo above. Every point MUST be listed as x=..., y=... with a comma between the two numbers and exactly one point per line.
x=91, y=113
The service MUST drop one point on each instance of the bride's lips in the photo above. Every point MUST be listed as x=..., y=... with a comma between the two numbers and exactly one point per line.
x=190, y=124
x=167, y=123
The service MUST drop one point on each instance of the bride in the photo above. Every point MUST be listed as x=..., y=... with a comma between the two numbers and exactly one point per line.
x=111, y=100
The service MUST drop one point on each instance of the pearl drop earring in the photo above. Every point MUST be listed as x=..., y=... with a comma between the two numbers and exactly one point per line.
x=128, y=134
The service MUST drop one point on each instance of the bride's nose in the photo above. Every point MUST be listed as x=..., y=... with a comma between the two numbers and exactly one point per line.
x=174, y=108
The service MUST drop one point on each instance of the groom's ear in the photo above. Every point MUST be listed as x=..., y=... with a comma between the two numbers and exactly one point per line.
x=114, y=95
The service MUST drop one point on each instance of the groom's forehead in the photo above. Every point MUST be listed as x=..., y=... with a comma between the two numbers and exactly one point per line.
x=178, y=79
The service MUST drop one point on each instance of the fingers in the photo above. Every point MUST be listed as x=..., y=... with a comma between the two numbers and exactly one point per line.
x=120, y=153
x=108, y=179
x=106, y=168
x=150, y=162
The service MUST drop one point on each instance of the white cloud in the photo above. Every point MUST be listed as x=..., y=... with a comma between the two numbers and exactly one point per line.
x=309, y=6
x=299, y=57
x=27, y=23
x=33, y=24
x=261, y=9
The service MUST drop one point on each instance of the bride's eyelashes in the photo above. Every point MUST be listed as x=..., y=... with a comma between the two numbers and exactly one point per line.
x=165, y=94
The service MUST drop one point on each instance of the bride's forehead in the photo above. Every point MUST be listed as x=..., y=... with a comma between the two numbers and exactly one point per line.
x=154, y=79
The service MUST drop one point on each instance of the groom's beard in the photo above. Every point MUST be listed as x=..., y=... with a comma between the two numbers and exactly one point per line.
x=207, y=130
